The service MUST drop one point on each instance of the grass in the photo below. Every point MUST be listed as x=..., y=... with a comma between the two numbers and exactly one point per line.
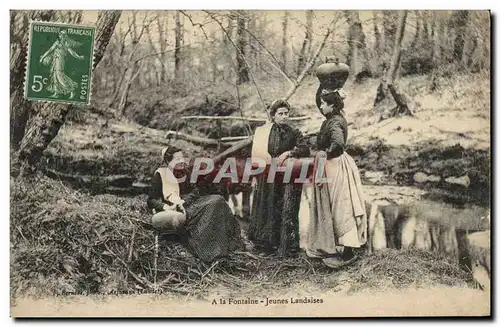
x=64, y=241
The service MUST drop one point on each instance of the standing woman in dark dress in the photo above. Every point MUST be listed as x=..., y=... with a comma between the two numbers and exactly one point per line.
x=274, y=220
x=338, y=215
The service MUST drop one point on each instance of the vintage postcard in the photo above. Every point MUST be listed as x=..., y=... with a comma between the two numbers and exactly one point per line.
x=246, y=163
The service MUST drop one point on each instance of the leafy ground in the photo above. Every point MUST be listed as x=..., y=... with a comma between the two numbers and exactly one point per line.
x=74, y=243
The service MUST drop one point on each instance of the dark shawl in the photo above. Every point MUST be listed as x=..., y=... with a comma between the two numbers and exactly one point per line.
x=274, y=221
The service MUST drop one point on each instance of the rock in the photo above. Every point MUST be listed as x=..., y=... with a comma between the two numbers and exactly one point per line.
x=479, y=248
x=420, y=177
x=376, y=229
x=374, y=176
x=481, y=275
x=423, y=239
x=408, y=232
x=464, y=180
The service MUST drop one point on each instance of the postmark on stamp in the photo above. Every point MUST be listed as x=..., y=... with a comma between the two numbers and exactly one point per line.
x=59, y=63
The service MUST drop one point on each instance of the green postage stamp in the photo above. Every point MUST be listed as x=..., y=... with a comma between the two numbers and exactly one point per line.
x=59, y=63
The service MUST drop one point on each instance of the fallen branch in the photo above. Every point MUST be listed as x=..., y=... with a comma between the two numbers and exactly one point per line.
x=97, y=181
x=235, y=148
x=137, y=278
x=259, y=120
x=234, y=138
x=193, y=139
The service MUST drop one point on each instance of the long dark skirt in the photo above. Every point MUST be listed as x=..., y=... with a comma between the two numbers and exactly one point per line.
x=274, y=221
x=212, y=231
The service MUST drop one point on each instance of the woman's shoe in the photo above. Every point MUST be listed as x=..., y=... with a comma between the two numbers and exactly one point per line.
x=339, y=262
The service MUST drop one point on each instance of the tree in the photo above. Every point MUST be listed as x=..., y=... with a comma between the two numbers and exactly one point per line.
x=133, y=66
x=47, y=118
x=284, y=42
x=241, y=40
x=389, y=18
x=229, y=29
x=458, y=24
x=357, y=54
x=129, y=68
x=388, y=81
x=376, y=31
x=19, y=33
x=439, y=39
x=178, y=45
x=416, y=37
x=305, y=50
x=162, y=25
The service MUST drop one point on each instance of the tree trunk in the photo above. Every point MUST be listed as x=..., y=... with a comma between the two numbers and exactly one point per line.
x=178, y=44
x=45, y=123
x=357, y=52
x=389, y=18
x=424, y=19
x=396, y=55
x=400, y=99
x=252, y=45
x=131, y=76
x=132, y=63
x=467, y=57
x=309, y=27
x=439, y=40
x=416, y=38
x=229, y=30
x=284, y=44
x=378, y=38
x=458, y=21
x=243, y=73
x=19, y=108
x=162, y=32
x=306, y=44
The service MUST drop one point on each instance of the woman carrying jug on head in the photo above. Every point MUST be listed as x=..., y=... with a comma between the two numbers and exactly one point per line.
x=338, y=215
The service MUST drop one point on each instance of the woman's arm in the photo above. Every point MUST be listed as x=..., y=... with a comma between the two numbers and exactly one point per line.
x=337, y=144
x=301, y=148
x=74, y=54
x=191, y=196
x=49, y=51
x=155, y=201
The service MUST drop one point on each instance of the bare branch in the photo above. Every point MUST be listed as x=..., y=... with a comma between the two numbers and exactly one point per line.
x=195, y=24
x=271, y=54
x=166, y=51
x=244, y=59
x=311, y=62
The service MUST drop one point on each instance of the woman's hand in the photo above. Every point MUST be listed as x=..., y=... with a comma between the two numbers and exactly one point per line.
x=167, y=207
x=321, y=154
x=181, y=208
x=285, y=155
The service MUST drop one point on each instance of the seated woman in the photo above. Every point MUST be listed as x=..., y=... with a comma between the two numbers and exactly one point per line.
x=205, y=221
